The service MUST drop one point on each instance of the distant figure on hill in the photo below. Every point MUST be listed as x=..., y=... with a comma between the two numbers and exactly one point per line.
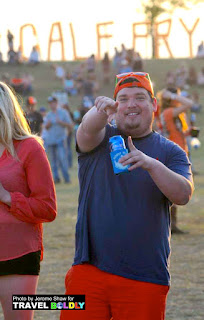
x=123, y=52
x=91, y=63
x=125, y=66
x=181, y=77
x=59, y=71
x=116, y=59
x=11, y=56
x=200, y=51
x=90, y=86
x=192, y=76
x=170, y=78
x=27, y=82
x=106, y=68
x=19, y=56
x=200, y=79
x=197, y=106
x=10, y=38
x=34, y=58
x=137, y=62
x=69, y=84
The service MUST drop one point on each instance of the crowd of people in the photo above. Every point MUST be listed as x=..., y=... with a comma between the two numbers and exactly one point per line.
x=83, y=82
x=117, y=214
x=184, y=78
x=21, y=82
x=16, y=57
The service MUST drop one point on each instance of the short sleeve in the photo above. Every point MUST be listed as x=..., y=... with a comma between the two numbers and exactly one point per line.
x=178, y=161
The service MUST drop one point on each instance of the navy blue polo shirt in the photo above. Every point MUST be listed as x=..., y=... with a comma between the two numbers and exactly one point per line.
x=123, y=224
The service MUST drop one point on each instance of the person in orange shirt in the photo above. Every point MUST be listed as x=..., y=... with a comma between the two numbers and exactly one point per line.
x=174, y=126
x=27, y=199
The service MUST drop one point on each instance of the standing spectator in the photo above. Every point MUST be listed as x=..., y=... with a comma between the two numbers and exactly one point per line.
x=19, y=56
x=137, y=62
x=57, y=122
x=59, y=71
x=27, y=83
x=170, y=79
x=125, y=66
x=200, y=52
x=90, y=87
x=33, y=117
x=123, y=52
x=122, y=231
x=34, y=58
x=10, y=38
x=27, y=199
x=200, y=79
x=106, y=68
x=192, y=76
x=69, y=85
x=11, y=56
x=175, y=127
x=116, y=59
x=91, y=63
x=79, y=72
x=197, y=106
x=181, y=77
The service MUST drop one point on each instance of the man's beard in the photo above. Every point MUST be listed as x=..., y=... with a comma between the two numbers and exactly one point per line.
x=128, y=127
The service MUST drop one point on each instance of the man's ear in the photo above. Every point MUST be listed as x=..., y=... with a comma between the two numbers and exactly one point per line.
x=154, y=104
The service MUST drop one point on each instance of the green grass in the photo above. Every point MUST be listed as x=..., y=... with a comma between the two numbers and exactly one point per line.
x=186, y=297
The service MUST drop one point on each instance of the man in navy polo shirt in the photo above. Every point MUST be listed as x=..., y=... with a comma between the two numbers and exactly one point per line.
x=122, y=252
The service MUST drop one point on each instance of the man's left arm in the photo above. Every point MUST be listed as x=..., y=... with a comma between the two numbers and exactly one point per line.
x=174, y=186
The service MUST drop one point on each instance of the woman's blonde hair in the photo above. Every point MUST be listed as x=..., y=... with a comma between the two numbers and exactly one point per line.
x=13, y=124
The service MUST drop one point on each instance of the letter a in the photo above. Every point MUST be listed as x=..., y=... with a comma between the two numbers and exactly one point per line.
x=60, y=39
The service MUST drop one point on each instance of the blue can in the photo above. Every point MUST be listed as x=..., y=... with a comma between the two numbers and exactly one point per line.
x=118, y=150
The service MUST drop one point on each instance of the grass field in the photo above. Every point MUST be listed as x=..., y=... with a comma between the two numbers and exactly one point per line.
x=186, y=297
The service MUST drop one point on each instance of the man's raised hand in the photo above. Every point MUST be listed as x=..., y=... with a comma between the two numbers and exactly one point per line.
x=106, y=105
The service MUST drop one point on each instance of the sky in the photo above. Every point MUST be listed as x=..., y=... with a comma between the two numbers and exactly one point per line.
x=84, y=15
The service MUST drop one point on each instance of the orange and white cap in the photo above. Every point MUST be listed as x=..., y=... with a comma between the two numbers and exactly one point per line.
x=133, y=79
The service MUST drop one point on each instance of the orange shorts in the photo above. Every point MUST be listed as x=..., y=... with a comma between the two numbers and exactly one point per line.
x=109, y=296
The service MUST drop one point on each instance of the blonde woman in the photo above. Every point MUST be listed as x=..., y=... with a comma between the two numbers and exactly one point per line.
x=27, y=199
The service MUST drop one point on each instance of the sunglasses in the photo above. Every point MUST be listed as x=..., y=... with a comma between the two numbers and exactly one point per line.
x=125, y=75
x=137, y=79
